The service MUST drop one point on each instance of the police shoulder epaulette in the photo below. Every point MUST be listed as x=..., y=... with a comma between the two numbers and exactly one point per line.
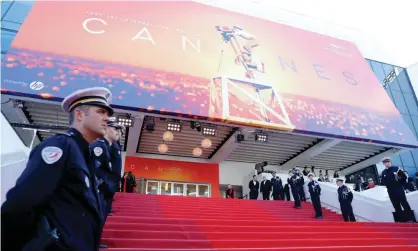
x=65, y=134
x=101, y=140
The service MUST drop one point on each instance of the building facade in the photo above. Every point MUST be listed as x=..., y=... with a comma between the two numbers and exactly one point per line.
x=394, y=79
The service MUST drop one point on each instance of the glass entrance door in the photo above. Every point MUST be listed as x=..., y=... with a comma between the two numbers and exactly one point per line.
x=152, y=187
x=177, y=188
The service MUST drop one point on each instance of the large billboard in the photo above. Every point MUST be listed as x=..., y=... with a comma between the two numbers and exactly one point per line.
x=189, y=59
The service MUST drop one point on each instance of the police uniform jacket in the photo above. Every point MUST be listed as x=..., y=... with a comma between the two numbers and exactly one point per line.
x=276, y=184
x=345, y=195
x=116, y=160
x=104, y=167
x=314, y=188
x=59, y=183
x=394, y=179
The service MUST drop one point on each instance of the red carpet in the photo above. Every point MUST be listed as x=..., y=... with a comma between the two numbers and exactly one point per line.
x=148, y=222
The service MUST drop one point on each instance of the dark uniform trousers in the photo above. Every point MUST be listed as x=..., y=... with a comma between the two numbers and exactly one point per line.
x=315, y=192
x=294, y=186
x=58, y=184
x=347, y=212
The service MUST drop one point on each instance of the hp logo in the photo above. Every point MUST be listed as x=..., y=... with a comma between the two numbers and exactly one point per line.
x=36, y=85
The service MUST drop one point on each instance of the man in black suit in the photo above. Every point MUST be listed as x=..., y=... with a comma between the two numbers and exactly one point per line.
x=254, y=185
x=265, y=188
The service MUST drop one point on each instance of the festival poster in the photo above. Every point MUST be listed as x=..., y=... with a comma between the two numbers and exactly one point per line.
x=158, y=57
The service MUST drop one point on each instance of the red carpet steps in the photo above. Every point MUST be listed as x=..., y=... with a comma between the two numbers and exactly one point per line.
x=148, y=222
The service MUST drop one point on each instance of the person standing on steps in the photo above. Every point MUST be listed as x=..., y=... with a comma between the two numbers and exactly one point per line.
x=345, y=197
x=294, y=186
x=276, y=187
x=394, y=179
x=301, y=183
x=265, y=188
x=108, y=181
x=55, y=204
x=315, y=192
x=230, y=192
x=116, y=159
x=254, y=185
x=287, y=192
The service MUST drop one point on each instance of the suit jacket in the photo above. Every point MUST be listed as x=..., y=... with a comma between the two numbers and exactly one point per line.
x=254, y=187
x=265, y=186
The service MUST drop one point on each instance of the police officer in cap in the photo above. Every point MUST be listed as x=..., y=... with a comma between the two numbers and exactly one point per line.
x=277, y=187
x=116, y=160
x=345, y=197
x=295, y=181
x=108, y=180
x=394, y=179
x=315, y=192
x=58, y=186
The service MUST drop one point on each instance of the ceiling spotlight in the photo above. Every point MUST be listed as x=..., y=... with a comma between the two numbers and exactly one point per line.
x=126, y=122
x=196, y=125
x=261, y=137
x=174, y=126
x=209, y=130
x=240, y=137
x=150, y=125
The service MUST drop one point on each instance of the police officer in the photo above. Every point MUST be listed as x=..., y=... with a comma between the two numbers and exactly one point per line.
x=58, y=185
x=295, y=181
x=394, y=179
x=116, y=160
x=345, y=197
x=301, y=183
x=315, y=192
x=254, y=185
x=108, y=181
x=277, y=187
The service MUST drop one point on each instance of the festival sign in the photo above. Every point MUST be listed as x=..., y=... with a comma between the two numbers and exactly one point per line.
x=189, y=59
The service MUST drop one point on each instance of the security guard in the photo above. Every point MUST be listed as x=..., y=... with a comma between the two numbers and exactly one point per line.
x=108, y=180
x=116, y=160
x=394, y=179
x=277, y=187
x=315, y=192
x=301, y=183
x=345, y=197
x=58, y=186
x=254, y=185
x=295, y=181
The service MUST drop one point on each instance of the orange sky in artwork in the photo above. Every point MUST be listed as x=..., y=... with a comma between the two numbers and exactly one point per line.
x=61, y=32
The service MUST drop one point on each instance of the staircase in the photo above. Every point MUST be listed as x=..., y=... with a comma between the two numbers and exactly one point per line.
x=149, y=222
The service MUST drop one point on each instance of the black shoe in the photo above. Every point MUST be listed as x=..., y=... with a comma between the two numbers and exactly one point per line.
x=112, y=211
x=318, y=217
x=103, y=246
x=110, y=214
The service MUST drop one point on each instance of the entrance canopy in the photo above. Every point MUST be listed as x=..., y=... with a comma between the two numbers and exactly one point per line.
x=147, y=133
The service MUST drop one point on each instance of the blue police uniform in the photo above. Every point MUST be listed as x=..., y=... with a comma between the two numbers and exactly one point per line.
x=58, y=189
x=315, y=192
x=345, y=197
x=58, y=183
x=301, y=183
x=104, y=173
x=116, y=159
x=295, y=181
x=394, y=179
x=277, y=188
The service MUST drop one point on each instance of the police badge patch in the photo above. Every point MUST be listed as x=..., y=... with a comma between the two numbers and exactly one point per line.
x=51, y=154
x=98, y=151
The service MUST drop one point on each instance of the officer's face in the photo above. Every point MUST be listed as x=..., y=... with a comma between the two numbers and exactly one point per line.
x=95, y=120
x=112, y=133
x=310, y=177
x=339, y=183
x=387, y=164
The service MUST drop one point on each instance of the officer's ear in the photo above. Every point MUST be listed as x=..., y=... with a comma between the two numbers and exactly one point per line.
x=80, y=112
